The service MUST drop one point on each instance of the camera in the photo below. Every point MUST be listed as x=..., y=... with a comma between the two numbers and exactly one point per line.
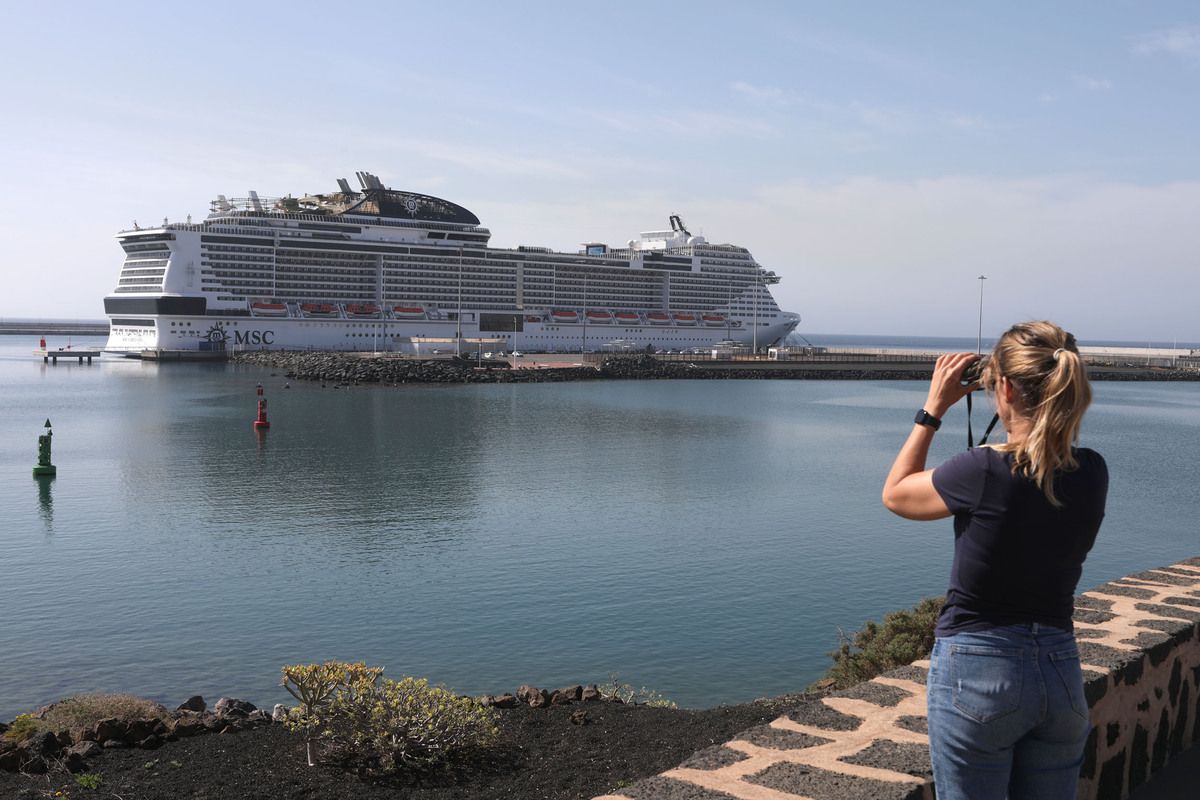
x=974, y=372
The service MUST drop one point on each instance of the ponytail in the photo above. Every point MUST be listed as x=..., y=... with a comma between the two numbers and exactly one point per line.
x=1042, y=362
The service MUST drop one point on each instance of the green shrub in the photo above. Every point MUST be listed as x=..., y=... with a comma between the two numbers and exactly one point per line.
x=382, y=725
x=85, y=710
x=23, y=727
x=388, y=725
x=313, y=685
x=89, y=780
x=903, y=637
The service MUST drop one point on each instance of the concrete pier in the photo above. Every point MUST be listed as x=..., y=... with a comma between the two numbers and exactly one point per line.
x=52, y=356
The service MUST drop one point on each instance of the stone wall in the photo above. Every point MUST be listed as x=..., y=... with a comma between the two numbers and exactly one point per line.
x=1139, y=640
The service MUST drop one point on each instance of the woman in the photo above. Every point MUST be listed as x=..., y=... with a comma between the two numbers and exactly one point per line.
x=1007, y=713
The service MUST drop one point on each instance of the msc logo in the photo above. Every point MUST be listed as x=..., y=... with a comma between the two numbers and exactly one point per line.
x=218, y=335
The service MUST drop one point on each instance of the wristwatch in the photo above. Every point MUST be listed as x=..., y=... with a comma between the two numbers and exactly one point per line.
x=925, y=418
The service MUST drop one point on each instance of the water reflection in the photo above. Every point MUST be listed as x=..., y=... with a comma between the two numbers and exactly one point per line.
x=45, y=501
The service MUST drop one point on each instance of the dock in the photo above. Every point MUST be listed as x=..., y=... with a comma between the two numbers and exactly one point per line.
x=52, y=356
x=182, y=355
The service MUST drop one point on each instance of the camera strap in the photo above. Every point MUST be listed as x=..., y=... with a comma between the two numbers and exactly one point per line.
x=970, y=436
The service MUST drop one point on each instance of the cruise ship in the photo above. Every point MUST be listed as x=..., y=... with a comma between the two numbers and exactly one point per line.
x=381, y=269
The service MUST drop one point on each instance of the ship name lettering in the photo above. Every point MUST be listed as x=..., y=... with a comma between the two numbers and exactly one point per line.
x=254, y=337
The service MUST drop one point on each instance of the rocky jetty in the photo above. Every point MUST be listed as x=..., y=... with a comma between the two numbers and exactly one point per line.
x=353, y=369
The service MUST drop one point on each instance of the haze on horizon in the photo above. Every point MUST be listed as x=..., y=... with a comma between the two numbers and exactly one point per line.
x=878, y=157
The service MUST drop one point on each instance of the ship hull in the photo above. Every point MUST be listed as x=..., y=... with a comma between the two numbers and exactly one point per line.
x=419, y=337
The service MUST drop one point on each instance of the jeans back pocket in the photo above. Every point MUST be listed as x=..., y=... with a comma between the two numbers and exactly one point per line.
x=1066, y=664
x=986, y=680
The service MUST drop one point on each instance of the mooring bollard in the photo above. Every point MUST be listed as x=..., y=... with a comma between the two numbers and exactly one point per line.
x=44, y=467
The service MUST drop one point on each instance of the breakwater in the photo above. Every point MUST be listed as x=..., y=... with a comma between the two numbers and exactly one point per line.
x=347, y=369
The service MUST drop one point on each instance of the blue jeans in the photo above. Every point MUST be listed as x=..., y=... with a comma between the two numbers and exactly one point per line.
x=1007, y=714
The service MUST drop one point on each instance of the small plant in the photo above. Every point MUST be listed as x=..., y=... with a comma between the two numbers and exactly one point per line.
x=89, y=780
x=175, y=764
x=150, y=764
x=313, y=685
x=23, y=727
x=389, y=725
x=903, y=637
x=626, y=693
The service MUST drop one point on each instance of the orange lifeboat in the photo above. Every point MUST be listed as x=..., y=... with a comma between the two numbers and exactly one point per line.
x=626, y=318
x=658, y=318
x=269, y=309
x=318, y=309
x=362, y=310
x=599, y=317
x=408, y=312
x=714, y=319
x=685, y=319
x=564, y=315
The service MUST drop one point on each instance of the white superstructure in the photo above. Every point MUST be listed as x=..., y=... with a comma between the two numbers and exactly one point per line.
x=380, y=269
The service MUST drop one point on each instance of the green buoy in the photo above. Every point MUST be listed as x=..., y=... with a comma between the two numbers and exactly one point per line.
x=44, y=467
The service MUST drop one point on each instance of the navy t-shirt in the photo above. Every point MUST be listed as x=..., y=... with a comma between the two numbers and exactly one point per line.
x=1017, y=558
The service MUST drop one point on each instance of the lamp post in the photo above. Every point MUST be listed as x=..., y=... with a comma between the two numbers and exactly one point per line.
x=979, y=337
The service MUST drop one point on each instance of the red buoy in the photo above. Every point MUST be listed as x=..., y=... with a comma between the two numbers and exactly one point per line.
x=261, y=423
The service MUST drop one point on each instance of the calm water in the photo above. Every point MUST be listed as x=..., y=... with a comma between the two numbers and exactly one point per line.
x=707, y=539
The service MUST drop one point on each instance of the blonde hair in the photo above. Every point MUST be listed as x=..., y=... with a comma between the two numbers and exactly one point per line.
x=1042, y=363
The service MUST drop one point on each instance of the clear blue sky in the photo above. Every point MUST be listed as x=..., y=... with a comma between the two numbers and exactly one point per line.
x=879, y=156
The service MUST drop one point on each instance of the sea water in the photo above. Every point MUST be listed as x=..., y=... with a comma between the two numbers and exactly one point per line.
x=712, y=540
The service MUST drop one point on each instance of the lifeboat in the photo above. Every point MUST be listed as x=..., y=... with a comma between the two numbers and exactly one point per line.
x=533, y=318
x=600, y=317
x=685, y=319
x=362, y=310
x=561, y=315
x=658, y=318
x=318, y=309
x=408, y=312
x=626, y=318
x=713, y=319
x=269, y=309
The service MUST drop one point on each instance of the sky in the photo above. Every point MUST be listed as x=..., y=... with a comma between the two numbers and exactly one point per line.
x=879, y=157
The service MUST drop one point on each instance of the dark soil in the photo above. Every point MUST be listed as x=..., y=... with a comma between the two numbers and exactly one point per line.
x=540, y=754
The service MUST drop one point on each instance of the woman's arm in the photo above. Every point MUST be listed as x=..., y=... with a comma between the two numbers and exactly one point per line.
x=908, y=490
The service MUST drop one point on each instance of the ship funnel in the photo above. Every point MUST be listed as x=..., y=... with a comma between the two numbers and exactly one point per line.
x=369, y=181
x=254, y=201
x=344, y=186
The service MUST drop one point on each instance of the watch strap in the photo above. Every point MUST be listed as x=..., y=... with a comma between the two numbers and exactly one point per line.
x=929, y=420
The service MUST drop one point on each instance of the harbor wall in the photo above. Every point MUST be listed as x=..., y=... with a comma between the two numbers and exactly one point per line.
x=390, y=368
x=1139, y=642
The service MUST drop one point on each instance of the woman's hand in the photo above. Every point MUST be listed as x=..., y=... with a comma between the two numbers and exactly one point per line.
x=908, y=489
x=946, y=389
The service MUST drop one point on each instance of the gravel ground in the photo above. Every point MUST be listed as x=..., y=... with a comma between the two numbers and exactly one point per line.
x=541, y=754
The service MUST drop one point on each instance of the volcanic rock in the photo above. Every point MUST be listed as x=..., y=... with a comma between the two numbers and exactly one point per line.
x=193, y=703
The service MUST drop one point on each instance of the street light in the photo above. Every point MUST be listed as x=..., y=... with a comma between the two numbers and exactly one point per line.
x=979, y=337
